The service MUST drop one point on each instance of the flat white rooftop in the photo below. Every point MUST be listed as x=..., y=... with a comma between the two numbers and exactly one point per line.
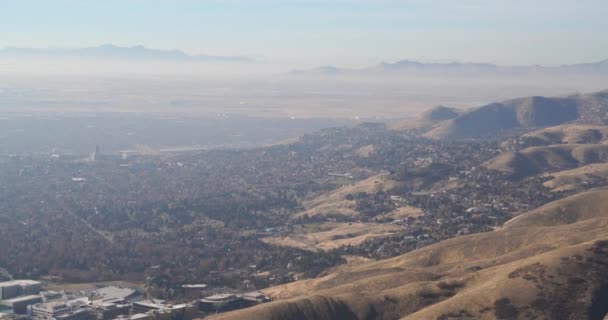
x=194, y=286
x=220, y=297
x=18, y=282
x=20, y=299
x=112, y=292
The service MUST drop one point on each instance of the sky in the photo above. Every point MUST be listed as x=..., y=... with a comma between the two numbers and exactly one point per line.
x=323, y=32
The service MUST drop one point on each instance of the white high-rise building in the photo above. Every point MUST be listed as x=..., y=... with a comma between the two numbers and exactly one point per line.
x=96, y=154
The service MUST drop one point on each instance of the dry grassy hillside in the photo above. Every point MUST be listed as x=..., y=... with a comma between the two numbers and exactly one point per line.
x=566, y=134
x=322, y=235
x=440, y=113
x=335, y=203
x=522, y=114
x=428, y=120
x=525, y=114
x=536, y=160
x=549, y=263
x=579, y=178
x=332, y=235
x=415, y=124
x=518, y=113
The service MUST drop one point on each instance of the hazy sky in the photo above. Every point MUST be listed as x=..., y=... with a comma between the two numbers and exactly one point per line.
x=338, y=32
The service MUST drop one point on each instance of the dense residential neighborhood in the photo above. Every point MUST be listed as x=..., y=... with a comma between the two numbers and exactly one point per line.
x=207, y=216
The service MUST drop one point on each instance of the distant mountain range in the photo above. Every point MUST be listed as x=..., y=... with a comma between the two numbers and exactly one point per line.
x=414, y=67
x=109, y=51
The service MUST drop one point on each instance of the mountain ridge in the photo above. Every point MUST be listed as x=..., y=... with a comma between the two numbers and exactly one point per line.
x=416, y=67
x=118, y=52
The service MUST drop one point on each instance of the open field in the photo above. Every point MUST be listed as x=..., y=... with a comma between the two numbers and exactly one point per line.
x=335, y=202
x=337, y=235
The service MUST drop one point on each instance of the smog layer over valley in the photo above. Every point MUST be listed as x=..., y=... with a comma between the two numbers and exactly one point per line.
x=266, y=159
